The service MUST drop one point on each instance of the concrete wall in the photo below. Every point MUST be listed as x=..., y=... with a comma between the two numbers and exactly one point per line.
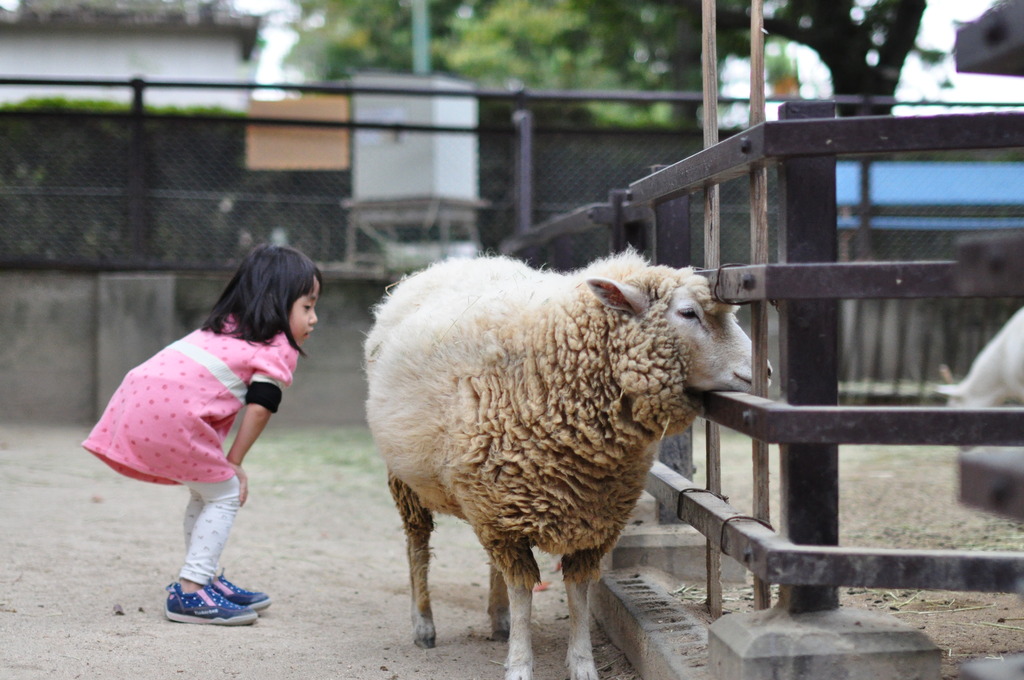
x=48, y=357
x=71, y=337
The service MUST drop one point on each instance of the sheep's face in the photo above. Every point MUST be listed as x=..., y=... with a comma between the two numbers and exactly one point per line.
x=719, y=351
x=721, y=355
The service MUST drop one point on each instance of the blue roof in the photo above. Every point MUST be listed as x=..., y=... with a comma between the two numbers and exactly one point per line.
x=930, y=183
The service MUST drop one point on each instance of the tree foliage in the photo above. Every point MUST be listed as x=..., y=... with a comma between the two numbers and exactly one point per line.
x=864, y=43
x=543, y=44
x=603, y=44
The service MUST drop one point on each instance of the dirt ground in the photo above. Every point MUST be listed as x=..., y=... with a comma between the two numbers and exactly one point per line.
x=86, y=554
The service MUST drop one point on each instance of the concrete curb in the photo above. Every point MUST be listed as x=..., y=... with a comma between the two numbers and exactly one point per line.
x=660, y=638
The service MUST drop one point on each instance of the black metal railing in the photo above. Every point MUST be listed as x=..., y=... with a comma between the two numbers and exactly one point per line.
x=807, y=282
x=159, y=189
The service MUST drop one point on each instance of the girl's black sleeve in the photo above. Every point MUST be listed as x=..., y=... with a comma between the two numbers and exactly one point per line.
x=265, y=394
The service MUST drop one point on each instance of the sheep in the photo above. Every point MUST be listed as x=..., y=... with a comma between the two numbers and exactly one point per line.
x=996, y=374
x=528, y=403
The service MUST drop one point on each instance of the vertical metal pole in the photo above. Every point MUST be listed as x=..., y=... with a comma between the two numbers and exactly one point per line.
x=864, y=246
x=712, y=259
x=618, y=226
x=672, y=248
x=137, y=173
x=522, y=119
x=420, y=37
x=625, y=234
x=759, y=255
x=809, y=357
x=672, y=233
x=636, y=235
x=562, y=256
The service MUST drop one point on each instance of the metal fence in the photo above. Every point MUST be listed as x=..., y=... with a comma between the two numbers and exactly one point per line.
x=145, y=189
x=804, y=558
x=140, y=188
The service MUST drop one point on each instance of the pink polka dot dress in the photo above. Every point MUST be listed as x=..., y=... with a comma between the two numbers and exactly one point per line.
x=168, y=420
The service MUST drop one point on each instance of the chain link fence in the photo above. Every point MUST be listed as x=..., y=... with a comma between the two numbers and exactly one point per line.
x=135, y=190
x=140, y=190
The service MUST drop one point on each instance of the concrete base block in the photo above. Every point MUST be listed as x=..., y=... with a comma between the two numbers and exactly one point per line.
x=844, y=644
x=661, y=639
x=676, y=549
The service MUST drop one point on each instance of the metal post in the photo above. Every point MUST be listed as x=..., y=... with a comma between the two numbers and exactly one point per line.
x=864, y=246
x=672, y=248
x=562, y=256
x=809, y=357
x=137, y=173
x=625, y=234
x=523, y=120
x=672, y=233
x=635, y=235
x=618, y=227
x=420, y=37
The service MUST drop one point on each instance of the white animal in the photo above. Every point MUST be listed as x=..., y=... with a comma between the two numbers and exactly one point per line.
x=526, y=403
x=997, y=373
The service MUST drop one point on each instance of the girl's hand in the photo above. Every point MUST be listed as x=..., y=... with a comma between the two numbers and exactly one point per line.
x=253, y=422
x=243, y=484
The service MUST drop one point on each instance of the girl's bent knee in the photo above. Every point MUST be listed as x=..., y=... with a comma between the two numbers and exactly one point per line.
x=221, y=493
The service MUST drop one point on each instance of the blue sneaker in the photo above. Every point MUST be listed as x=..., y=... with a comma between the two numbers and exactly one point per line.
x=232, y=593
x=206, y=606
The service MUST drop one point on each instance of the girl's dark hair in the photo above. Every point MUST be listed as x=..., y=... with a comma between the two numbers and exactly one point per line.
x=257, y=302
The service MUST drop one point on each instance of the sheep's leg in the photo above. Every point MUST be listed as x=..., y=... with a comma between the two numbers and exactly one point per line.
x=418, y=523
x=579, y=569
x=497, y=606
x=580, y=656
x=513, y=557
x=519, y=663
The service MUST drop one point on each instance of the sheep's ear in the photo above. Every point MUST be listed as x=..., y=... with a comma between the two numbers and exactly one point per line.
x=620, y=296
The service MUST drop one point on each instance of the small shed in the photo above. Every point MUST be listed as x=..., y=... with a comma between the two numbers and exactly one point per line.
x=415, y=194
x=212, y=42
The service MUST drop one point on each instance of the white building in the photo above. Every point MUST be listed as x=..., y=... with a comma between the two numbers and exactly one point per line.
x=437, y=165
x=108, y=44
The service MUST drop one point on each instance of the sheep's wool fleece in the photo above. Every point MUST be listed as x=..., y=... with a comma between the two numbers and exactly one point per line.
x=515, y=399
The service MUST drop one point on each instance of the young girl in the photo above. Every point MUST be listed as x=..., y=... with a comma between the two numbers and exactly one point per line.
x=168, y=420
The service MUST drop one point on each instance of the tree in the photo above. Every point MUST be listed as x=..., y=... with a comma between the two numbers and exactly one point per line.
x=543, y=43
x=340, y=37
x=608, y=44
x=864, y=43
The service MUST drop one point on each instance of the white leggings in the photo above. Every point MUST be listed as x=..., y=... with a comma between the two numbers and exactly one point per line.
x=209, y=516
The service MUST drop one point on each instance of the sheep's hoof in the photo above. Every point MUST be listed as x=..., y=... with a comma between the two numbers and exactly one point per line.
x=425, y=643
x=423, y=632
x=500, y=624
x=519, y=672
